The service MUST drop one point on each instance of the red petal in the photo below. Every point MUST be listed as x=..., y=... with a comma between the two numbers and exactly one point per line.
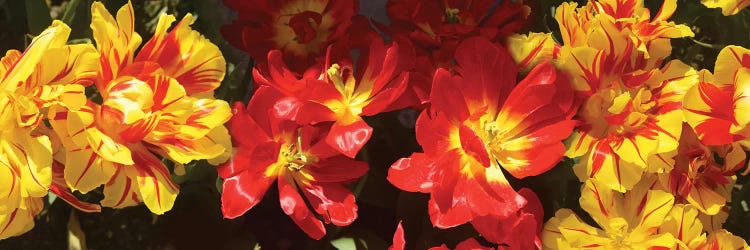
x=487, y=69
x=471, y=244
x=243, y=191
x=489, y=193
x=398, y=238
x=451, y=217
x=473, y=145
x=413, y=174
x=337, y=169
x=520, y=231
x=254, y=159
x=447, y=97
x=333, y=201
x=349, y=138
x=433, y=133
x=293, y=205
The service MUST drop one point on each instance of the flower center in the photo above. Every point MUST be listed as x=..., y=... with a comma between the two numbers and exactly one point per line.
x=295, y=157
x=305, y=26
x=451, y=15
x=612, y=111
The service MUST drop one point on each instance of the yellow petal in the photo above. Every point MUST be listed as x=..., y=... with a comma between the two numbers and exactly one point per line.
x=682, y=222
x=31, y=156
x=53, y=37
x=116, y=40
x=600, y=202
x=567, y=231
x=10, y=190
x=20, y=220
x=70, y=64
x=155, y=186
x=728, y=7
x=530, y=50
x=728, y=62
x=185, y=55
x=206, y=115
x=120, y=191
x=220, y=135
x=85, y=170
x=77, y=128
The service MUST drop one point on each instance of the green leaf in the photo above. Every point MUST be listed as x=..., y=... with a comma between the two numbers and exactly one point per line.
x=37, y=16
x=51, y=198
x=344, y=244
x=70, y=12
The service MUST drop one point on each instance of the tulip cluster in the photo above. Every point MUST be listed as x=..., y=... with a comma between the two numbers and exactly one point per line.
x=655, y=143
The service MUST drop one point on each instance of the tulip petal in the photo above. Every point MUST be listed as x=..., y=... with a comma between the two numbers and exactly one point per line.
x=413, y=174
x=294, y=206
x=155, y=186
x=348, y=138
x=243, y=191
x=185, y=55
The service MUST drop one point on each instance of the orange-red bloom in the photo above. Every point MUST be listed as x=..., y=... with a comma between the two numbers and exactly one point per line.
x=341, y=93
x=301, y=29
x=437, y=27
x=268, y=149
x=480, y=121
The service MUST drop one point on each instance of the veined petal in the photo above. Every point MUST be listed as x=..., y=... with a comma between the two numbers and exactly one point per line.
x=728, y=7
x=608, y=168
x=60, y=189
x=567, y=231
x=682, y=222
x=155, y=186
x=530, y=50
x=85, y=170
x=572, y=27
x=709, y=111
x=706, y=199
x=8, y=61
x=53, y=37
x=78, y=128
x=648, y=211
x=601, y=202
x=20, y=220
x=69, y=64
x=730, y=59
x=10, y=189
x=206, y=115
x=116, y=40
x=723, y=239
x=120, y=191
x=185, y=55
x=31, y=157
